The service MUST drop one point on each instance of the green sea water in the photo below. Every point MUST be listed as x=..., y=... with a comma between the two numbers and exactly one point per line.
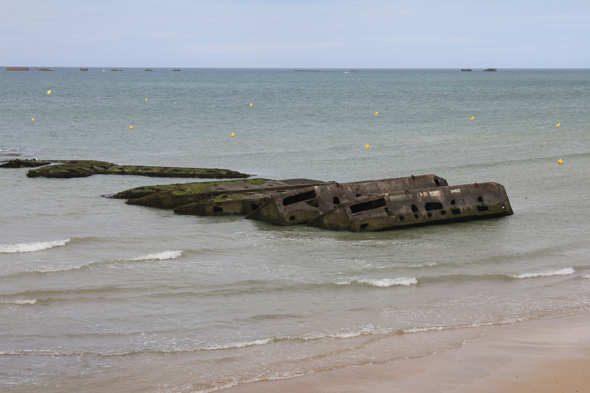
x=99, y=295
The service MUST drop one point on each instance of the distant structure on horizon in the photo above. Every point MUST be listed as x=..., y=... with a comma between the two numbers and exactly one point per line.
x=490, y=69
x=17, y=68
x=466, y=69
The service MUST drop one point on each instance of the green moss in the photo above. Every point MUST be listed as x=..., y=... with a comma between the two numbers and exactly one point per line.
x=83, y=168
x=179, y=194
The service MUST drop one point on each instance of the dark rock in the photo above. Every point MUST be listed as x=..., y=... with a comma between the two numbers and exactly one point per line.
x=18, y=163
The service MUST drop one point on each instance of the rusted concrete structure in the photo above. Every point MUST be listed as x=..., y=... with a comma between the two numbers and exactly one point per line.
x=300, y=206
x=17, y=68
x=242, y=199
x=417, y=207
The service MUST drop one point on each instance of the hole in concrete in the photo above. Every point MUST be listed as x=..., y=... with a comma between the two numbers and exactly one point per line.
x=336, y=201
x=415, y=216
x=363, y=226
x=503, y=207
x=442, y=213
x=292, y=218
x=401, y=218
x=480, y=199
x=299, y=198
x=430, y=206
x=482, y=208
x=456, y=211
x=429, y=215
x=453, y=202
x=217, y=209
x=254, y=206
x=370, y=205
x=358, y=195
x=436, y=181
x=414, y=209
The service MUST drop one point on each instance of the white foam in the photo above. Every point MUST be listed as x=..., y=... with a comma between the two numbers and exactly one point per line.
x=557, y=272
x=422, y=265
x=31, y=247
x=159, y=256
x=389, y=282
x=243, y=344
x=586, y=276
x=21, y=302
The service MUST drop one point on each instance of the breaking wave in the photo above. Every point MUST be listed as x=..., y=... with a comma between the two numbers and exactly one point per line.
x=159, y=256
x=557, y=272
x=383, y=282
x=31, y=247
x=20, y=302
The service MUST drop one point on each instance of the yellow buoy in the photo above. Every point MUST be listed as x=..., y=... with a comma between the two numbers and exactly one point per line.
x=232, y=134
x=558, y=125
x=472, y=117
x=130, y=127
x=376, y=113
x=33, y=119
x=146, y=99
x=366, y=147
x=560, y=161
x=250, y=104
x=49, y=92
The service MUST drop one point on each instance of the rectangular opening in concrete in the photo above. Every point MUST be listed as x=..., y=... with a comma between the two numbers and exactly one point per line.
x=299, y=198
x=370, y=205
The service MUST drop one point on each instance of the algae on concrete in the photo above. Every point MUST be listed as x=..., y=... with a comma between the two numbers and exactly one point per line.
x=84, y=168
x=18, y=163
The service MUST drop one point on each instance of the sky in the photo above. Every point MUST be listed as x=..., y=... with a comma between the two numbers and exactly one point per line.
x=296, y=34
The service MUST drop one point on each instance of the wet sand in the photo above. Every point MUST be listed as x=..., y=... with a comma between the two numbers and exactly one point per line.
x=548, y=355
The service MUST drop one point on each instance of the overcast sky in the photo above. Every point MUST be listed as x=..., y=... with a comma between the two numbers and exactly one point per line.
x=296, y=34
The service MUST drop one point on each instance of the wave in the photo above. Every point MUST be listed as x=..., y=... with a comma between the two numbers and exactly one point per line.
x=366, y=330
x=422, y=265
x=44, y=270
x=31, y=247
x=557, y=272
x=382, y=282
x=20, y=302
x=586, y=276
x=388, y=282
x=159, y=256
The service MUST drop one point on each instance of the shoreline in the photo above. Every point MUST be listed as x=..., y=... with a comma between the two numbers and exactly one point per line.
x=542, y=355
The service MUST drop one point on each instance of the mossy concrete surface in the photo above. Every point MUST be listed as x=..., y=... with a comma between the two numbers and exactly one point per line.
x=18, y=163
x=176, y=195
x=84, y=168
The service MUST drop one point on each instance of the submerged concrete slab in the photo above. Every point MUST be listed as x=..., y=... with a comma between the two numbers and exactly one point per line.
x=300, y=206
x=417, y=207
x=237, y=200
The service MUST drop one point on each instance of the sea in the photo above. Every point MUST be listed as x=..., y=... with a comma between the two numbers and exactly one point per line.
x=97, y=295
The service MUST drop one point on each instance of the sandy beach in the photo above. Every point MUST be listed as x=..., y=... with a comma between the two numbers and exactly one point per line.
x=547, y=355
